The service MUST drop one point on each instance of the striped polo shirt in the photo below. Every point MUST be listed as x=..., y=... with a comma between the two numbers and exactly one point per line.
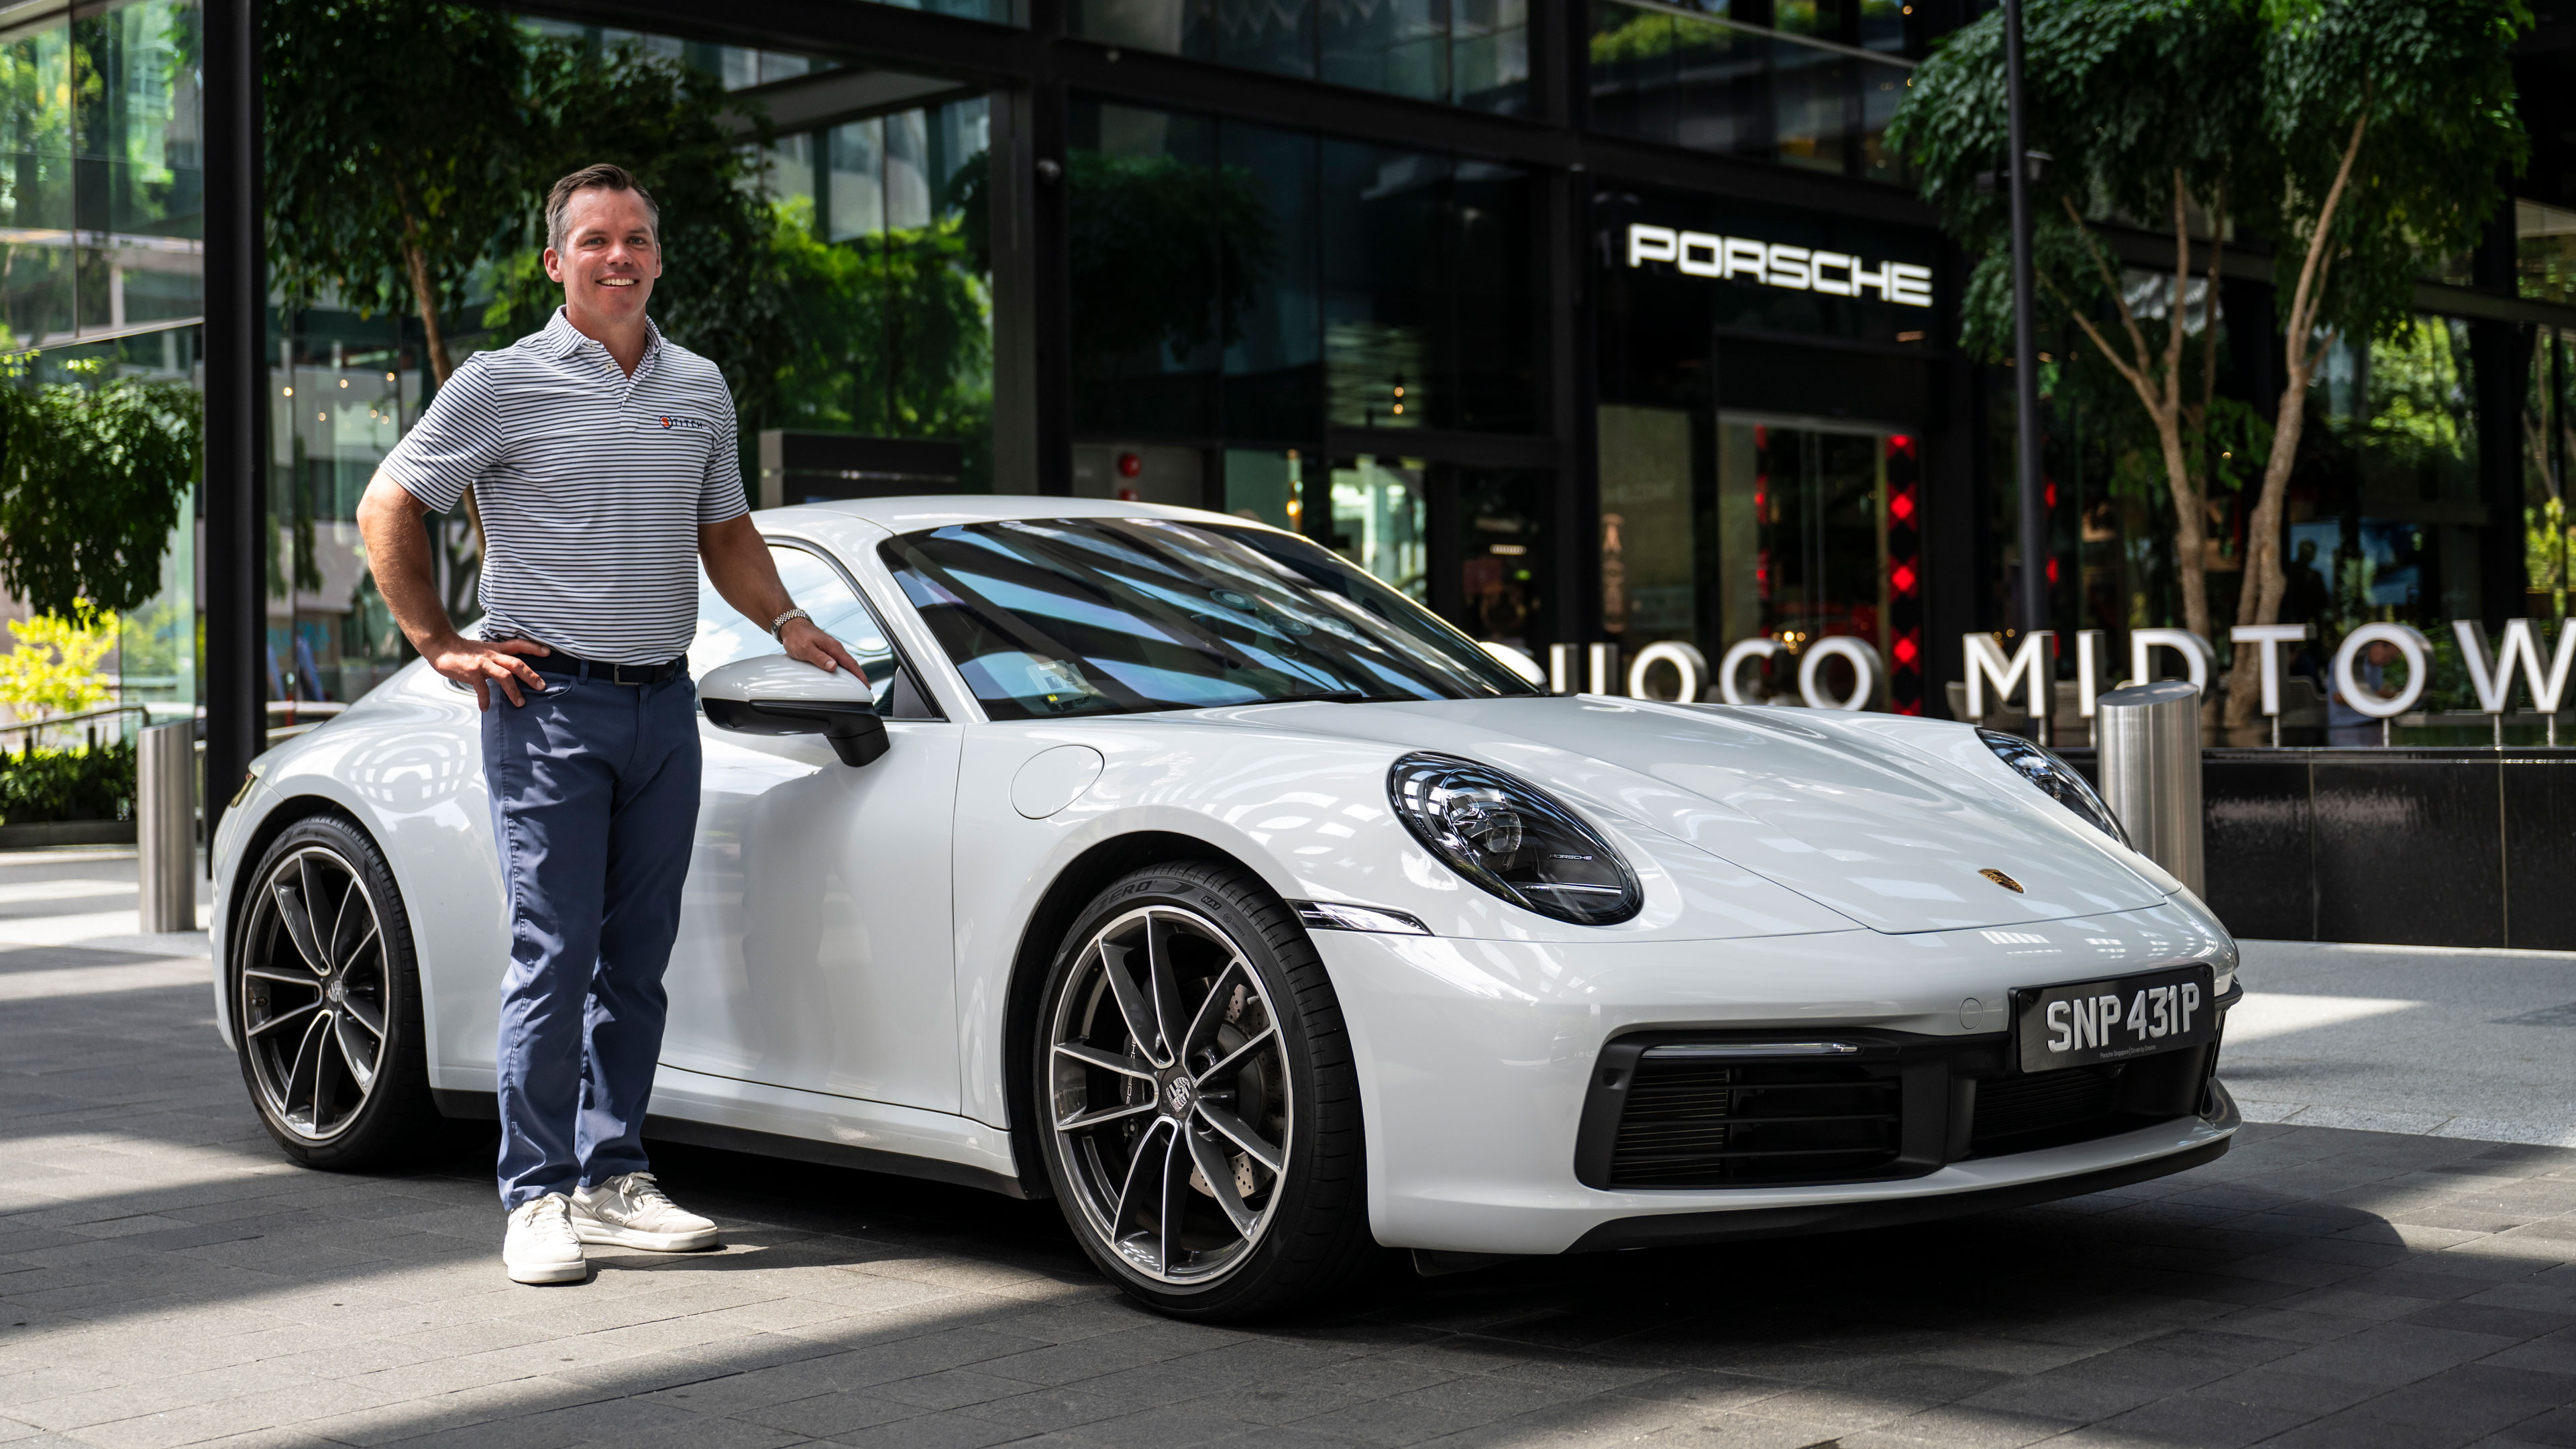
x=592, y=484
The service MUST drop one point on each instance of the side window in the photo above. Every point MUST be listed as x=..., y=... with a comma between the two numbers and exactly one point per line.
x=724, y=635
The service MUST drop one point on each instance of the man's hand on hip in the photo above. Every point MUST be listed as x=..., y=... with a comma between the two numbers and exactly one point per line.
x=484, y=663
x=811, y=645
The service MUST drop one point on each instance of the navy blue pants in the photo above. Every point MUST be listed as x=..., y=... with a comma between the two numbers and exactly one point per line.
x=594, y=802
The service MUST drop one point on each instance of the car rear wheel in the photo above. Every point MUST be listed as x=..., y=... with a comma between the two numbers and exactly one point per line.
x=325, y=997
x=1196, y=1098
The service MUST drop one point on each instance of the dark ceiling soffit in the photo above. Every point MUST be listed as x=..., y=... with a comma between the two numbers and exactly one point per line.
x=1473, y=450
x=833, y=96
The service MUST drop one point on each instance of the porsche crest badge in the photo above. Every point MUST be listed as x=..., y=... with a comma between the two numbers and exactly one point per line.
x=2001, y=879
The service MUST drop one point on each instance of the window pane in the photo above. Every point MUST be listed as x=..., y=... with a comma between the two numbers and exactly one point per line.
x=724, y=635
x=1109, y=616
x=855, y=182
x=1165, y=249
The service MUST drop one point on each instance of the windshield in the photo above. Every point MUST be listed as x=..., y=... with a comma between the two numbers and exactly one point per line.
x=1061, y=616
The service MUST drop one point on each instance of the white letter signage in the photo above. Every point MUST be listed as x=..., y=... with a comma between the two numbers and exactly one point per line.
x=1866, y=672
x=2418, y=652
x=1777, y=264
x=2029, y=663
x=1756, y=647
x=2270, y=638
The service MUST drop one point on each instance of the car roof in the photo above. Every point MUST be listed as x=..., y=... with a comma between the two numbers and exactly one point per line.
x=944, y=510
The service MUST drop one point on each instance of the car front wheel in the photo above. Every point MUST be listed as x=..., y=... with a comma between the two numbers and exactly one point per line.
x=1196, y=1098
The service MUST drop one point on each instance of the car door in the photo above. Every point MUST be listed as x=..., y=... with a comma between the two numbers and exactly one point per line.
x=815, y=947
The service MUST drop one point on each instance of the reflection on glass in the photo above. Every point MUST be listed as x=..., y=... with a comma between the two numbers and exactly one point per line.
x=855, y=179
x=1472, y=53
x=2547, y=432
x=1773, y=94
x=1808, y=532
x=2545, y=251
x=1649, y=565
x=2406, y=544
x=101, y=181
x=1266, y=487
x=1381, y=521
x=1112, y=616
x=1502, y=556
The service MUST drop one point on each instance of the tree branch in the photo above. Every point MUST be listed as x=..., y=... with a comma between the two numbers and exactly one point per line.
x=2111, y=281
x=2310, y=294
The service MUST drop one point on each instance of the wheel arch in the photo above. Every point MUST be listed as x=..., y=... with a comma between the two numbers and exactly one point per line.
x=1064, y=899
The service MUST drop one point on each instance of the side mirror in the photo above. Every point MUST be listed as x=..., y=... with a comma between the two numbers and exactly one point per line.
x=776, y=695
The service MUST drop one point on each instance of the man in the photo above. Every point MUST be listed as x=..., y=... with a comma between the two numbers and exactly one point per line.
x=602, y=456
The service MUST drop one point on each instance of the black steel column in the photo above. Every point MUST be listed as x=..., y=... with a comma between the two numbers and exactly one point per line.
x=236, y=360
x=2033, y=593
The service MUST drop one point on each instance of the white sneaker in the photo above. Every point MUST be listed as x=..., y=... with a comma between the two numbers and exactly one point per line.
x=541, y=1247
x=632, y=1211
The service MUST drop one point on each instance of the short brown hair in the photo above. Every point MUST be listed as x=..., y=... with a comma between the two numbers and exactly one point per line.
x=604, y=176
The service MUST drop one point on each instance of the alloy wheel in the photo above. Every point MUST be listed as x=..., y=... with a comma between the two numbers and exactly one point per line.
x=1170, y=1094
x=314, y=994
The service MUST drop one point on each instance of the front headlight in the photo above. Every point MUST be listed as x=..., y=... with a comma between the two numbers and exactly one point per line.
x=2055, y=778
x=1512, y=840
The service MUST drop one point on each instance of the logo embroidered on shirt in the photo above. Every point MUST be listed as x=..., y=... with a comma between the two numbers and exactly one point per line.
x=673, y=421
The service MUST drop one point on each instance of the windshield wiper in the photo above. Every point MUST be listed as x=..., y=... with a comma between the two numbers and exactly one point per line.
x=1345, y=696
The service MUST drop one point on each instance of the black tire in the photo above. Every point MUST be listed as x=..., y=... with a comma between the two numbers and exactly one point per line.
x=1271, y=1044
x=353, y=1089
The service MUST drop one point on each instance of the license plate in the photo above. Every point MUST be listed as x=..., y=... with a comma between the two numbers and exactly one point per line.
x=2113, y=1020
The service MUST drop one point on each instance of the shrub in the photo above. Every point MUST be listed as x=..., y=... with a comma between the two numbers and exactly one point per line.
x=80, y=783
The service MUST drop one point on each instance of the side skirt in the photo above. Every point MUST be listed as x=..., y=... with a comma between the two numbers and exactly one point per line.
x=485, y=1107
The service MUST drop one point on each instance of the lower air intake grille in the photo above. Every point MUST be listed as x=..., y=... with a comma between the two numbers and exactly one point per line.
x=2041, y=1102
x=1701, y=1123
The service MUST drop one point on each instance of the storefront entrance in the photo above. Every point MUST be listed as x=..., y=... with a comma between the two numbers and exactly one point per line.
x=1751, y=525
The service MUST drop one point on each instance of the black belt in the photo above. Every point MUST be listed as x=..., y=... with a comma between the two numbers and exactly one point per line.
x=579, y=668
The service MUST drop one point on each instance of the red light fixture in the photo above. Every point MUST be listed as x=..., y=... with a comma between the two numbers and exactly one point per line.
x=1901, y=578
x=1901, y=507
x=1906, y=650
x=2052, y=571
x=1129, y=465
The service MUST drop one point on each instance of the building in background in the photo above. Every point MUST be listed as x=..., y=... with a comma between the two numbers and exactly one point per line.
x=1580, y=320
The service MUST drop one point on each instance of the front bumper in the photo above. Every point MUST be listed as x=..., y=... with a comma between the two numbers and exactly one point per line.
x=1477, y=1058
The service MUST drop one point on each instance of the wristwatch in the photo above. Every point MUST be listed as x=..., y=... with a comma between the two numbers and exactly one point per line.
x=781, y=622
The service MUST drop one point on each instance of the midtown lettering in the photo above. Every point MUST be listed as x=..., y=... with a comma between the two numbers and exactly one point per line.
x=2030, y=672
x=1797, y=269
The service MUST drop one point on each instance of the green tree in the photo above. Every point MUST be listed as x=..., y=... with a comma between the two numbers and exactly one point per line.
x=90, y=484
x=2362, y=138
x=2150, y=110
x=2388, y=126
x=396, y=134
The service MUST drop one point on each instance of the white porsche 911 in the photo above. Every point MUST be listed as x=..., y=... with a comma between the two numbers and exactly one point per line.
x=1170, y=866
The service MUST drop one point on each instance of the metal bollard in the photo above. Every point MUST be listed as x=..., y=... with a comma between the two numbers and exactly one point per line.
x=2150, y=757
x=165, y=832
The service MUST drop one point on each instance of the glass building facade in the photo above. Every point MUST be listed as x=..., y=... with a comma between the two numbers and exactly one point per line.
x=1583, y=321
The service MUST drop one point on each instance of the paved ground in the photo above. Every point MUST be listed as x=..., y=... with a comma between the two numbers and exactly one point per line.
x=2466, y=1043
x=165, y=1278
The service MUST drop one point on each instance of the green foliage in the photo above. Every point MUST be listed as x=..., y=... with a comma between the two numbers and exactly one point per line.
x=54, y=667
x=69, y=784
x=90, y=485
x=2123, y=94
x=2433, y=79
x=1151, y=238
x=892, y=340
x=389, y=123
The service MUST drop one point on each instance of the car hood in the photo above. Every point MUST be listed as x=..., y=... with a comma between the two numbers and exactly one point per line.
x=1887, y=820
